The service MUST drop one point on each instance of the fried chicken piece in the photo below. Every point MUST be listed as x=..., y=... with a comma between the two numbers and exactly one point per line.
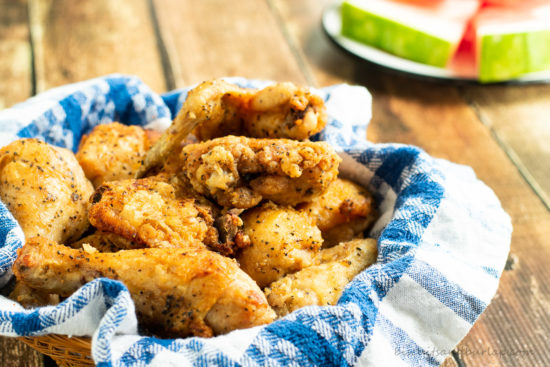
x=323, y=283
x=239, y=172
x=283, y=240
x=29, y=298
x=147, y=212
x=178, y=292
x=114, y=151
x=216, y=108
x=344, y=211
x=45, y=189
x=231, y=234
x=202, y=104
x=105, y=242
x=282, y=110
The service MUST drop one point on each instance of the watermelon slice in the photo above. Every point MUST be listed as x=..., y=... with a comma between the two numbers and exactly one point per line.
x=512, y=42
x=428, y=32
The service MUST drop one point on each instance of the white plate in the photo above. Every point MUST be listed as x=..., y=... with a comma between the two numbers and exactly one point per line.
x=332, y=25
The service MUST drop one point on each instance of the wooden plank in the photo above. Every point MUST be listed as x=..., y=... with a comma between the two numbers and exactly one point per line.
x=210, y=39
x=301, y=21
x=514, y=330
x=15, y=63
x=14, y=353
x=78, y=40
x=519, y=116
x=450, y=362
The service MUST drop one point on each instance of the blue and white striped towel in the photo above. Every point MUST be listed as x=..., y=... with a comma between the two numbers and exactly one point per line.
x=443, y=240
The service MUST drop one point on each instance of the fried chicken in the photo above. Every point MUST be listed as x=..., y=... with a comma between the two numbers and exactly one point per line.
x=282, y=110
x=105, y=242
x=238, y=172
x=216, y=108
x=147, y=212
x=283, y=241
x=344, y=211
x=28, y=297
x=45, y=189
x=232, y=237
x=177, y=292
x=323, y=283
x=114, y=151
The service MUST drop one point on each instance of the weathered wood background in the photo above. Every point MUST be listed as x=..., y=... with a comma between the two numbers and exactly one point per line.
x=503, y=132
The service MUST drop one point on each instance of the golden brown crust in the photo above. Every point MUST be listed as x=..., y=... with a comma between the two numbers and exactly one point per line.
x=147, y=212
x=323, y=283
x=282, y=241
x=178, y=292
x=45, y=189
x=106, y=242
x=281, y=110
x=342, y=212
x=239, y=172
x=216, y=108
x=29, y=298
x=114, y=151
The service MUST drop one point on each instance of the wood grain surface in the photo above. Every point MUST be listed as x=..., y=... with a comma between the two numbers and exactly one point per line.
x=500, y=131
x=225, y=38
x=15, y=51
x=79, y=40
x=519, y=119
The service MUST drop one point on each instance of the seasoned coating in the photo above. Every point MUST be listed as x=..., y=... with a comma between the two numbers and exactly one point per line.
x=238, y=172
x=147, y=212
x=342, y=212
x=323, y=283
x=105, y=242
x=283, y=241
x=28, y=297
x=45, y=189
x=282, y=110
x=216, y=108
x=203, y=103
x=231, y=233
x=114, y=151
x=177, y=292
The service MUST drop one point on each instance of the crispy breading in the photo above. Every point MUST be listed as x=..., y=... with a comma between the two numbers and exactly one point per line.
x=283, y=240
x=28, y=297
x=232, y=237
x=238, y=172
x=177, y=292
x=217, y=108
x=45, y=189
x=147, y=212
x=114, y=151
x=281, y=110
x=106, y=242
x=160, y=211
x=323, y=283
x=342, y=212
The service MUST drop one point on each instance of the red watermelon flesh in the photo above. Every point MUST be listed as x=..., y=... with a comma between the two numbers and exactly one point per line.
x=464, y=60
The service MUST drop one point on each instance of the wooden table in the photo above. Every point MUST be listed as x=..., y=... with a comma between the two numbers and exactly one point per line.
x=501, y=131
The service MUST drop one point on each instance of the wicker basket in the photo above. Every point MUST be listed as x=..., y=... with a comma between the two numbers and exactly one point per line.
x=65, y=351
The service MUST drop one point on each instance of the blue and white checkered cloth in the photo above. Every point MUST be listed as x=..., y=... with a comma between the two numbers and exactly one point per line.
x=443, y=239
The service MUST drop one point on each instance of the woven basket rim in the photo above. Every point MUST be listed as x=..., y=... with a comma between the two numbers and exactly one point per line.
x=65, y=350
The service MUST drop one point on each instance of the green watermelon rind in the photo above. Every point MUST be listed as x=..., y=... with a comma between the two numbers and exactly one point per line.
x=393, y=37
x=509, y=56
